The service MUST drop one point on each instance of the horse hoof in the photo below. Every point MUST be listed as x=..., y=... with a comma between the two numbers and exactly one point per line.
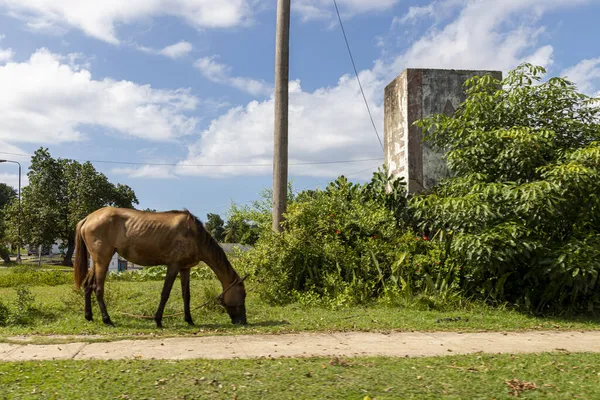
x=109, y=323
x=191, y=323
x=89, y=318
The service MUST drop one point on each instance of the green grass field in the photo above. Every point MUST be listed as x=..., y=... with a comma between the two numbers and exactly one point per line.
x=560, y=376
x=59, y=311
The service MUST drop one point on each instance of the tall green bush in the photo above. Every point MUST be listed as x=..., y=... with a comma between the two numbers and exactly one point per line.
x=523, y=205
x=346, y=244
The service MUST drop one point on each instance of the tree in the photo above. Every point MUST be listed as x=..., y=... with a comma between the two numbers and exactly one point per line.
x=522, y=212
x=60, y=193
x=215, y=226
x=7, y=194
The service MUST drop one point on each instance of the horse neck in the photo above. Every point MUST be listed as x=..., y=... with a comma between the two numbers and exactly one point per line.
x=216, y=259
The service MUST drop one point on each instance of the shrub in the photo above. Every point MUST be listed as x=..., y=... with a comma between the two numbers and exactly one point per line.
x=21, y=311
x=4, y=314
x=522, y=211
x=345, y=244
x=31, y=276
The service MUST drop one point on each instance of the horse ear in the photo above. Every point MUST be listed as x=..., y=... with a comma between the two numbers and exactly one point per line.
x=189, y=221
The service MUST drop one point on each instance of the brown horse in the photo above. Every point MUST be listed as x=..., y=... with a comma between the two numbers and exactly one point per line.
x=173, y=238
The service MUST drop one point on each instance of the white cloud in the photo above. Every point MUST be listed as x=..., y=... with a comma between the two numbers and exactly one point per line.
x=436, y=10
x=177, y=50
x=327, y=124
x=586, y=75
x=6, y=55
x=478, y=37
x=12, y=179
x=324, y=9
x=415, y=13
x=332, y=123
x=221, y=73
x=9, y=148
x=174, y=51
x=46, y=100
x=99, y=18
x=147, y=171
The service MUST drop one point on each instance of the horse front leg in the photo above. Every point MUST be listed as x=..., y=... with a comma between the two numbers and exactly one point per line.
x=168, y=285
x=185, y=292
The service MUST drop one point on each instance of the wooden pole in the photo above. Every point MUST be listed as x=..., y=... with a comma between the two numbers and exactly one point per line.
x=280, y=154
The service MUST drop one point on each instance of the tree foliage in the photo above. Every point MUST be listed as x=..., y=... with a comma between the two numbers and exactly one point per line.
x=215, y=226
x=522, y=211
x=60, y=193
x=339, y=244
x=7, y=194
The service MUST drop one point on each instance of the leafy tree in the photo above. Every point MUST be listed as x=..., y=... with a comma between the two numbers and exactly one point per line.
x=522, y=212
x=60, y=193
x=238, y=230
x=215, y=226
x=7, y=194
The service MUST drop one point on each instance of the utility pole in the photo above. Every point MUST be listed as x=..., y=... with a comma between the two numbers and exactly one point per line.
x=282, y=73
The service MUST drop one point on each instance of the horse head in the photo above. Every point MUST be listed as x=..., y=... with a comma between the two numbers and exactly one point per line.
x=233, y=299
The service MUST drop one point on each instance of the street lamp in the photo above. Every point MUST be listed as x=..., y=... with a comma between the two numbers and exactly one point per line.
x=19, y=216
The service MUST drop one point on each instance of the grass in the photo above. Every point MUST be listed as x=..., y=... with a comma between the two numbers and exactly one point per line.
x=58, y=310
x=562, y=376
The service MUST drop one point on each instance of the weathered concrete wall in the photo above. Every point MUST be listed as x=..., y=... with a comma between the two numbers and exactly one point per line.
x=413, y=95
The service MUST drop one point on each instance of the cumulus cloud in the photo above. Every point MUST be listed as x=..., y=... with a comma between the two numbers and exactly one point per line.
x=6, y=55
x=48, y=99
x=478, y=37
x=99, y=19
x=220, y=73
x=176, y=50
x=12, y=179
x=326, y=124
x=331, y=123
x=147, y=171
x=416, y=13
x=586, y=75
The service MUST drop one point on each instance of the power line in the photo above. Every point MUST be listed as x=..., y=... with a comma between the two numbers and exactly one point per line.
x=205, y=165
x=297, y=190
x=356, y=72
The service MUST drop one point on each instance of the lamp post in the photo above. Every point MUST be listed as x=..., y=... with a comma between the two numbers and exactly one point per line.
x=19, y=215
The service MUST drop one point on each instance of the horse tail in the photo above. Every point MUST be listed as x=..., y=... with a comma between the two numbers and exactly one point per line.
x=80, y=266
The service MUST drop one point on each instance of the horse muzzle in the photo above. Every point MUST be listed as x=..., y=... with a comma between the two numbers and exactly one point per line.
x=238, y=315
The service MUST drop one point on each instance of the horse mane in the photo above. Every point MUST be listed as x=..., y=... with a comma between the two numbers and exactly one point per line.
x=210, y=244
x=184, y=211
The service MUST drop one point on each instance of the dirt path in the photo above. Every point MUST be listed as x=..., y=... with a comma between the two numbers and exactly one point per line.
x=414, y=344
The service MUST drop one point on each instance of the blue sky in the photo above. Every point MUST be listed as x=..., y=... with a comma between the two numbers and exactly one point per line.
x=189, y=82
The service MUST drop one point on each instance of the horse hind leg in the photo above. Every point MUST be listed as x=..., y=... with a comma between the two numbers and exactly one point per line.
x=88, y=288
x=100, y=271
